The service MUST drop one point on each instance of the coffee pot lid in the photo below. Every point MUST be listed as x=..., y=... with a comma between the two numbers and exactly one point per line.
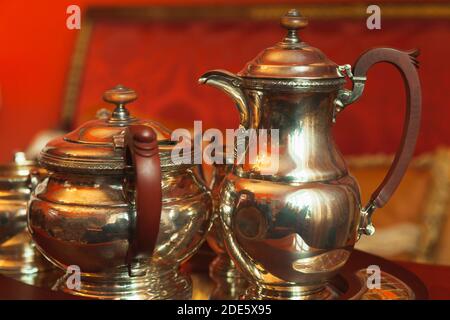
x=291, y=58
x=98, y=145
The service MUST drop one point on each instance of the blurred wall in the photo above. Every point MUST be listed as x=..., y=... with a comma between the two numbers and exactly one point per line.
x=35, y=55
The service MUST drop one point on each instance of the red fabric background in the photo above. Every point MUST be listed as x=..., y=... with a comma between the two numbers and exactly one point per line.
x=37, y=48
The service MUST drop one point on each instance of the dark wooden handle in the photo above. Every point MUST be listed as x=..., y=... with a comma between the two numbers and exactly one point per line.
x=141, y=147
x=406, y=64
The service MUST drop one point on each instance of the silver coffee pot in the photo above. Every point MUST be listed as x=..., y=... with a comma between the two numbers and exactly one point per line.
x=291, y=231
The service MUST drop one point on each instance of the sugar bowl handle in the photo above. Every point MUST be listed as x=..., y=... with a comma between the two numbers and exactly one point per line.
x=406, y=64
x=141, y=155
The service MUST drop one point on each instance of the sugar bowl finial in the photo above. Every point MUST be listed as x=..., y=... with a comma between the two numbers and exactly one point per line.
x=120, y=96
x=293, y=21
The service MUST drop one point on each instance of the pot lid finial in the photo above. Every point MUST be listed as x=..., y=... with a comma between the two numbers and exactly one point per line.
x=291, y=58
x=293, y=21
x=120, y=96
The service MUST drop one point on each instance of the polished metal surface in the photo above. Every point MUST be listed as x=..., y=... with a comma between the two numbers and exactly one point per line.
x=18, y=256
x=292, y=231
x=153, y=283
x=290, y=237
x=345, y=96
x=84, y=220
x=82, y=216
x=14, y=194
x=229, y=282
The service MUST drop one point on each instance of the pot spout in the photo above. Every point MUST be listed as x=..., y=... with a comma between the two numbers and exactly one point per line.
x=230, y=84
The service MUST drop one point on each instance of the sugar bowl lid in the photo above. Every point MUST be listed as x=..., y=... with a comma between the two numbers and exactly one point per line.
x=98, y=145
x=291, y=58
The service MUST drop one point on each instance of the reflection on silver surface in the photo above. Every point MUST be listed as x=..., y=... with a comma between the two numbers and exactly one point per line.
x=84, y=220
x=18, y=255
x=153, y=283
x=325, y=262
x=229, y=284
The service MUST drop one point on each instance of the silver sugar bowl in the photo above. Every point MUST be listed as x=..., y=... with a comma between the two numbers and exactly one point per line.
x=118, y=209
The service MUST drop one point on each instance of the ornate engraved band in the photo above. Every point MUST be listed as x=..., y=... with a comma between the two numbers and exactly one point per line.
x=315, y=85
x=106, y=167
x=58, y=164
